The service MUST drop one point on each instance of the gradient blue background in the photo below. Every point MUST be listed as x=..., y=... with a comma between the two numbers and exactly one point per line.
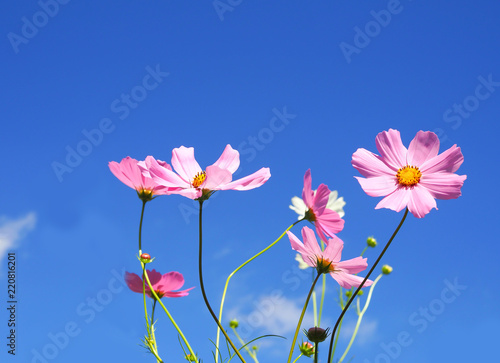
x=227, y=73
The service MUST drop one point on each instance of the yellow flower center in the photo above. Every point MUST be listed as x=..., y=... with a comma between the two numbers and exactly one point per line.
x=408, y=176
x=199, y=179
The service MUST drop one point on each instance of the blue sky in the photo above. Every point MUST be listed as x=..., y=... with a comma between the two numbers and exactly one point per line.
x=292, y=85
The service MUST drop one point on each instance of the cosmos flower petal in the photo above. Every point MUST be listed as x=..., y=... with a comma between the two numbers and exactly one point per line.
x=172, y=281
x=396, y=201
x=216, y=178
x=443, y=185
x=335, y=203
x=298, y=206
x=307, y=193
x=164, y=176
x=133, y=281
x=298, y=246
x=348, y=281
x=333, y=250
x=331, y=222
x=391, y=148
x=126, y=172
x=179, y=293
x=421, y=201
x=378, y=186
x=229, y=160
x=248, y=182
x=162, y=284
x=371, y=165
x=354, y=265
x=448, y=161
x=423, y=147
x=320, y=199
x=184, y=163
x=310, y=242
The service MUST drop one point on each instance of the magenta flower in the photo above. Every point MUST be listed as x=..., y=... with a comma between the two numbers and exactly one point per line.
x=132, y=175
x=193, y=182
x=326, y=221
x=162, y=285
x=328, y=261
x=412, y=177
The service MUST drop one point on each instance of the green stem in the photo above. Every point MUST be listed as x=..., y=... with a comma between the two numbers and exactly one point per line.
x=323, y=290
x=234, y=272
x=202, y=286
x=153, y=328
x=140, y=226
x=330, y=356
x=249, y=351
x=300, y=319
x=296, y=359
x=316, y=345
x=360, y=317
x=157, y=298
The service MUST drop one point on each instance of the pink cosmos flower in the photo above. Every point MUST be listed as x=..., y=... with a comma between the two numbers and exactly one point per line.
x=193, y=182
x=327, y=221
x=328, y=261
x=412, y=177
x=162, y=285
x=132, y=175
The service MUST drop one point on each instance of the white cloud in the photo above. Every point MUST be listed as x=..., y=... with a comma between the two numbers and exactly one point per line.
x=366, y=331
x=272, y=314
x=12, y=230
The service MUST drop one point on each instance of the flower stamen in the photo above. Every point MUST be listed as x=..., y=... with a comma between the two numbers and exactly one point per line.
x=408, y=176
x=199, y=179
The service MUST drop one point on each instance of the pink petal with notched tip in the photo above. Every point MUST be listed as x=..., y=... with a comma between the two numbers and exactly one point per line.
x=164, y=176
x=320, y=199
x=391, y=148
x=333, y=250
x=229, y=160
x=421, y=201
x=378, y=186
x=330, y=223
x=178, y=293
x=423, y=147
x=248, y=182
x=448, y=161
x=348, y=281
x=307, y=193
x=354, y=265
x=371, y=165
x=396, y=201
x=216, y=177
x=171, y=281
x=443, y=185
x=184, y=163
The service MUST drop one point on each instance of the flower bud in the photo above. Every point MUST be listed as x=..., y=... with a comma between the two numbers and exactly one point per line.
x=386, y=269
x=145, y=258
x=190, y=358
x=233, y=323
x=317, y=334
x=371, y=242
x=306, y=349
x=348, y=293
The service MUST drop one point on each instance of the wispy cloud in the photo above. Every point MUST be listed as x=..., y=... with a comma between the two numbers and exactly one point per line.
x=366, y=330
x=271, y=314
x=13, y=230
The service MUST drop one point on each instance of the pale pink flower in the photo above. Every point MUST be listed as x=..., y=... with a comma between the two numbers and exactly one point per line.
x=412, y=177
x=328, y=261
x=193, y=182
x=326, y=221
x=162, y=285
x=133, y=176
